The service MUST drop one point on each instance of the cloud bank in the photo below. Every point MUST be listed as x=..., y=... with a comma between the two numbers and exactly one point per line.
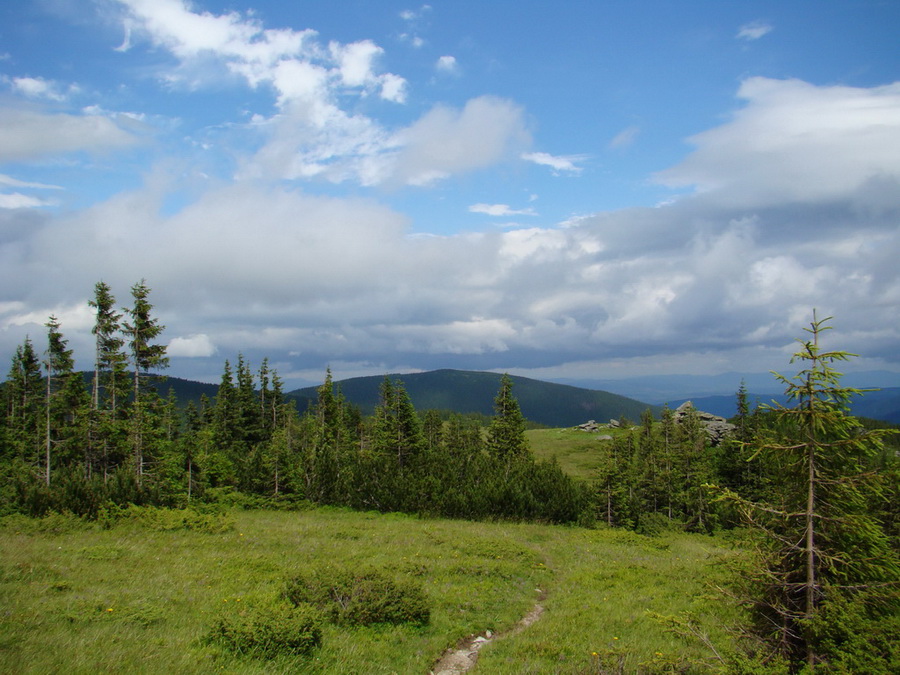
x=792, y=203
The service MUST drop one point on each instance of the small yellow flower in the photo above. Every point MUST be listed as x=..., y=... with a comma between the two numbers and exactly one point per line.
x=615, y=638
x=109, y=609
x=594, y=654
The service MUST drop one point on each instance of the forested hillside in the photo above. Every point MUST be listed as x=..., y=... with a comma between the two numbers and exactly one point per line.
x=546, y=403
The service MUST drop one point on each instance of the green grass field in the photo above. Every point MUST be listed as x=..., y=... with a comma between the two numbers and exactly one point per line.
x=576, y=451
x=132, y=599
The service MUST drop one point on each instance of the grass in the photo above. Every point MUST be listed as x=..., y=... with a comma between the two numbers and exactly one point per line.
x=576, y=451
x=139, y=600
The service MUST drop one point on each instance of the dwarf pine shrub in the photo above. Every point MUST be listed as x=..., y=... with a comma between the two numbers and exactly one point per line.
x=268, y=630
x=360, y=597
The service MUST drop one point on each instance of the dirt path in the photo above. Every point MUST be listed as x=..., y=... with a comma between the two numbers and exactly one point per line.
x=462, y=658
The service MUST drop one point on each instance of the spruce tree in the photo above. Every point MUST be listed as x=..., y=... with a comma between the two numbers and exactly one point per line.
x=146, y=356
x=506, y=434
x=824, y=554
x=397, y=430
x=23, y=395
x=59, y=365
x=108, y=387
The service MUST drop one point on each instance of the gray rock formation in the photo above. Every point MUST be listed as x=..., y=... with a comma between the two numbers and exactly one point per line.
x=717, y=428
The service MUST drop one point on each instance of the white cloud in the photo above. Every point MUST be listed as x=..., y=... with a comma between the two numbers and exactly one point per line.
x=501, y=210
x=754, y=30
x=794, y=141
x=565, y=164
x=446, y=141
x=192, y=346
x=782, y=221
x=39, y=88
x=16, y=200
x=12, y=182
x=291, y=61
x=447, y=65
x=26, y=134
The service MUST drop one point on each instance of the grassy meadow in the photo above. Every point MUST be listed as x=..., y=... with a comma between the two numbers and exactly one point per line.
x=135, y=598
x=576, y=451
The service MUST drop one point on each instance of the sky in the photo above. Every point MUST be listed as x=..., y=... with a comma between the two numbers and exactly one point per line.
x=567, y=191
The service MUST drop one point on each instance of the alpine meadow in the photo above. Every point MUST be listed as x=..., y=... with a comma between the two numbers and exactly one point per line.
x=488, y=337
x=238, y=533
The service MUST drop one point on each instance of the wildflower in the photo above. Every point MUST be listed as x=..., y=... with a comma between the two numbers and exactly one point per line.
x=615, y=638
x=109, y=609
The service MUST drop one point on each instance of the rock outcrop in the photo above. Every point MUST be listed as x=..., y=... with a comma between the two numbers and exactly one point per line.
x=717, y=428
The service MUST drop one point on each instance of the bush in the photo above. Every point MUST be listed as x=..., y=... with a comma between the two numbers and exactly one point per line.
x=268, y=630
x=360, y=598
x=167, y=520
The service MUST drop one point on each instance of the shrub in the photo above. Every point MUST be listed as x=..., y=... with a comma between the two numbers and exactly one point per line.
x=360, y=598
x=166, y=520
x=268, y=630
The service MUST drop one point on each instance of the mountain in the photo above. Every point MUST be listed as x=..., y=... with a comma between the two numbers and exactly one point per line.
x=882, y=404
x=659, y=389
x=464, y=391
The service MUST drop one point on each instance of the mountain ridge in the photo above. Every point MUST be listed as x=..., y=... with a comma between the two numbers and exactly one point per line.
x=466, y=391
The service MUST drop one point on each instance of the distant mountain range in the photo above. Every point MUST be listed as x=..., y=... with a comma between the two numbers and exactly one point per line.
x=563, y=405
x=883, y=404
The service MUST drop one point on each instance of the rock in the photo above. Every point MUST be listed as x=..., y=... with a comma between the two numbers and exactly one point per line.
x=590, y=425
x=717, y=428
x=604, y=437
x=614, y=424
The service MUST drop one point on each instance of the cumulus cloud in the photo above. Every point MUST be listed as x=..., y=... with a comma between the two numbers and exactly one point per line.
x=192, y=346
x=726, y=275
x=795, y=142
x=239, y=44
x=447, y=65
x=559, y=164
x=447, y=141
x=314, y=135
x=754, y=30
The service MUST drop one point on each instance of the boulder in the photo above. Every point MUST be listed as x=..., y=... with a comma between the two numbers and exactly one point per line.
x=590, y=425
x=717, y=428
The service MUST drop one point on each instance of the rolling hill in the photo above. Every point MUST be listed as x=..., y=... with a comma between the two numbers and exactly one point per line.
x=554, y=405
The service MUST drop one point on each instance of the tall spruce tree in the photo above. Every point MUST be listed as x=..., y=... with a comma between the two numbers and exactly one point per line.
x=109, y=384
x=59, y=364
x=146, y=356
x=825, y=556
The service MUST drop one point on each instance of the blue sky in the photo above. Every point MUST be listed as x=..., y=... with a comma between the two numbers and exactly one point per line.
x=562, y=190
